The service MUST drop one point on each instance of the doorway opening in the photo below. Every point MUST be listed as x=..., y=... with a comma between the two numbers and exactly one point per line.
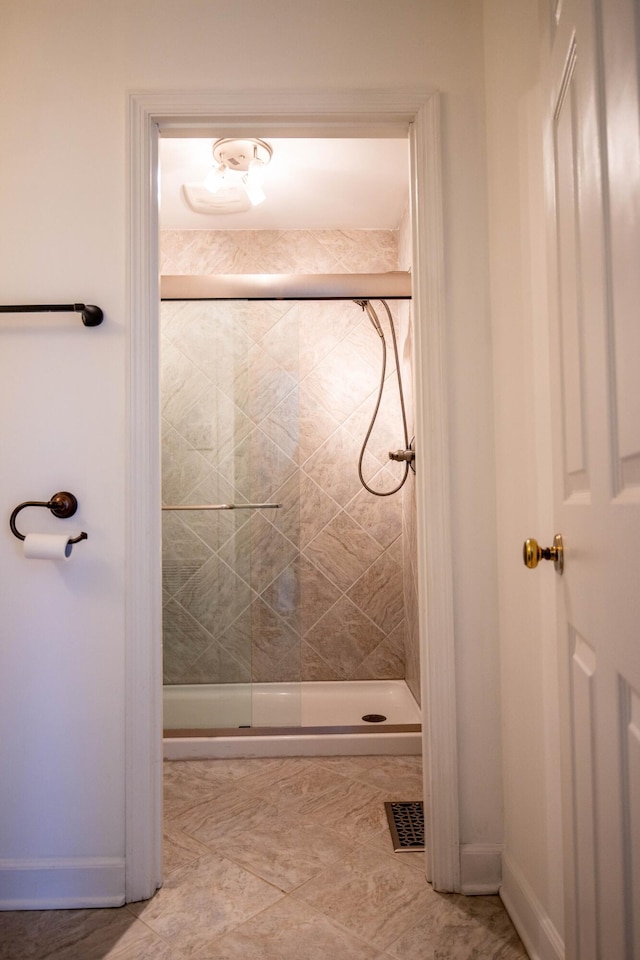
x=371, y=113
x=289, y=590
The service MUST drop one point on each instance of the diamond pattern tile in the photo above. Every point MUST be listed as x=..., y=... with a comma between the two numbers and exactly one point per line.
x=183, y=553
x=213, y=424
x=258, y=553
x=280, y=342
x=259, y=318
x=270, y=402
x=384, y=525
x=282, y=424
x=379, y=592
x=257, y=468
x=219, y=662
x=262, y=385
x=216, y=343
x=316, y=423
x=214, y=527
x=339, y=383
x=215, y=595
x=275, y=646
x=283, y=595
x=182, y=383
x=334, y=466
x=323, y=325
x=343, y=551
x=183, y=468
x=314, y=667
x=388, y=658
x=184, y=640
x=318, y=594
x=360, y=637
x=317, y=508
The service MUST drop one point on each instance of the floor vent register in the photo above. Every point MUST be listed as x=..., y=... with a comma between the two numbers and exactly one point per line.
x=406, y=823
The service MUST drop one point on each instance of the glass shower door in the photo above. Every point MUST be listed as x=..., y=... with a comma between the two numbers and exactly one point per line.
x=229, y=396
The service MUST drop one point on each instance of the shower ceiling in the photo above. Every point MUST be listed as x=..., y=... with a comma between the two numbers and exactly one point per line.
x=321, y=184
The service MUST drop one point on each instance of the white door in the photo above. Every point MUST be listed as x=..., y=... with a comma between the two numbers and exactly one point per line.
x=593, y=165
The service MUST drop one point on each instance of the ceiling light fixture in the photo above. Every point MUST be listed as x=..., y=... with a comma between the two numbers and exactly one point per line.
x=240, y=161
x=234, y=184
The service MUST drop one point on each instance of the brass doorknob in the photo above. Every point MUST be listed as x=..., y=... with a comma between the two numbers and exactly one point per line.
x=532, y=554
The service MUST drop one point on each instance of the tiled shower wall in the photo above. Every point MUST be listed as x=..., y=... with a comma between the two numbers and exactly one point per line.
x=270, y=402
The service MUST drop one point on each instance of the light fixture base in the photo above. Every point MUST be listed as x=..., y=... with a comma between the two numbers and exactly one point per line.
x=238, y=154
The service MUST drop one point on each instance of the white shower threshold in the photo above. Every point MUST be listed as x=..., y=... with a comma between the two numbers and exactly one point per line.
x=290, y=719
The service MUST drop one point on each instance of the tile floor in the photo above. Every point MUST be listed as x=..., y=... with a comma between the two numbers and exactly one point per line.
x=279, y=859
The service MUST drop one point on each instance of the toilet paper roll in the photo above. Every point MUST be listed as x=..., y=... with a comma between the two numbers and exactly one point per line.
x=47, y=546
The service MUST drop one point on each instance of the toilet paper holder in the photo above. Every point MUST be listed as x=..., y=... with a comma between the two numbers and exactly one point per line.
x=62, y=505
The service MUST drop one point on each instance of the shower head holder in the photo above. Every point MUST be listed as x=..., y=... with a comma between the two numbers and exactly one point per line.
x=406, y=456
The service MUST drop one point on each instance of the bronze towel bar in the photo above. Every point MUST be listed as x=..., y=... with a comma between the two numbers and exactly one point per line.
x=92, y=316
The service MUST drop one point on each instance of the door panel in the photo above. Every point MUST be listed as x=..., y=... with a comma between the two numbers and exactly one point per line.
x=594, y=221
x=620, y=79
x=584, y=799
x=570, y=316
x=631, y=764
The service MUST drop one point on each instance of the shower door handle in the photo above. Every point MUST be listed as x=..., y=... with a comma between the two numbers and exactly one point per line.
x=223, y=506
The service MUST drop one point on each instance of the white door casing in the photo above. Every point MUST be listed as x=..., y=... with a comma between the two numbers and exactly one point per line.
x=374, y=113
x=593, y=167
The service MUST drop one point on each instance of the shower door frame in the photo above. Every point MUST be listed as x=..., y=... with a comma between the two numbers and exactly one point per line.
x=412, y=114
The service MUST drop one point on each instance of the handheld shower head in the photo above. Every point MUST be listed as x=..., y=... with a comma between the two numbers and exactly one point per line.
x=407, y=453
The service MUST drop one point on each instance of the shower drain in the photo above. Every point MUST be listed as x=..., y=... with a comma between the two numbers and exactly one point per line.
x=406, y=823
x=374, y=717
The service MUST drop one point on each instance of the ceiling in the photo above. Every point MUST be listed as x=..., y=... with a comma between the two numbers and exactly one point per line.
x=309, y=184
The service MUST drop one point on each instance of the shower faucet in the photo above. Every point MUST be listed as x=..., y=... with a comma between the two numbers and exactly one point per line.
x=407, y=455
x=404, y=456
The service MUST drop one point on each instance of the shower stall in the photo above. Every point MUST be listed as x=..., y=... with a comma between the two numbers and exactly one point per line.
x=289, y=611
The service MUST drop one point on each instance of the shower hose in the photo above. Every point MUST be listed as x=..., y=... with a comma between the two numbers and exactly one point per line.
x=375, y=322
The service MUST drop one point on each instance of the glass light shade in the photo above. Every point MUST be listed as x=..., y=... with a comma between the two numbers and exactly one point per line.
x=253, y=182
x=215, y=178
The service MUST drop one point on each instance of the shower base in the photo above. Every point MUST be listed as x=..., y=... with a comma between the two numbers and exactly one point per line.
x=290, y=719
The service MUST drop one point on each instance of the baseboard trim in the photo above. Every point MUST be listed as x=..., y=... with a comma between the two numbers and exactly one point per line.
x=61, y=883
x=480, y=868
x=535, y=928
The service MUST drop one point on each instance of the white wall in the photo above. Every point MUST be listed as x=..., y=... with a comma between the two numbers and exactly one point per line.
x=532, y=864
x=65, y=70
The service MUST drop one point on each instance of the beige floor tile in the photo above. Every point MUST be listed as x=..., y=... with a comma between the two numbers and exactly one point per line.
x=137, y=943
x=301, y=782
x=221, y=817
x=232, y=771
x=371, y=895
x=347, y=766
x=284, y=850
x=185, y=785
x=179, y=849
x=291, y=931
x=272, y=841
x=400, y=778
x=354, y=809
x=453, y=927
x=240, y=832
x=79, y=935
x=203, y=900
